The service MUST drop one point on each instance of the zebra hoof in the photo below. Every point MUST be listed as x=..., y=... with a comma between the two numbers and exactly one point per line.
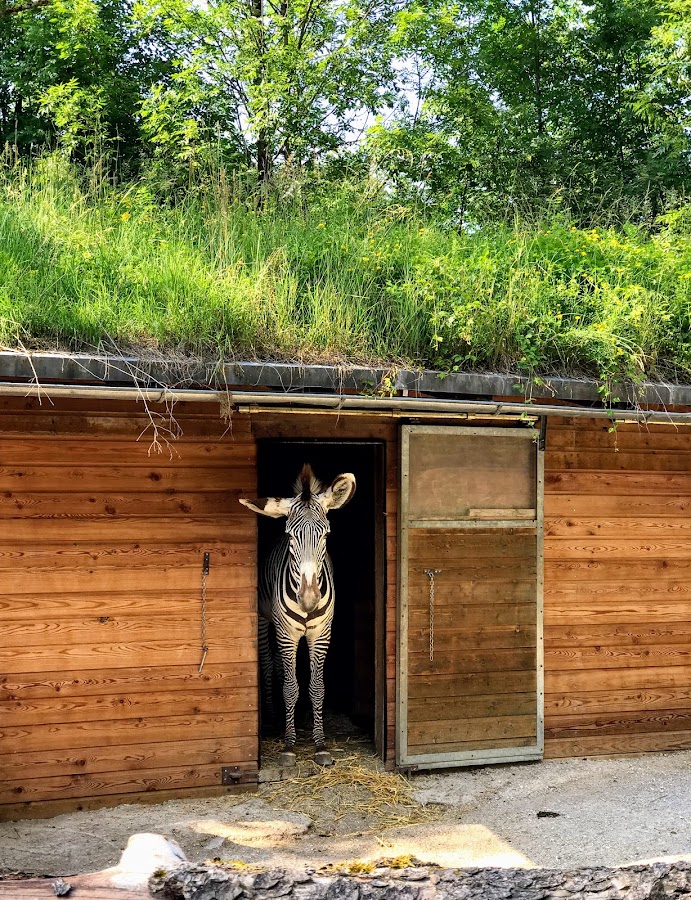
x=287, y=759
x=323, y=758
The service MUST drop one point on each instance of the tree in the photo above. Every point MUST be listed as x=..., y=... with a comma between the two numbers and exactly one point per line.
x=72, y=68
x=527, y=101
x=285, y=80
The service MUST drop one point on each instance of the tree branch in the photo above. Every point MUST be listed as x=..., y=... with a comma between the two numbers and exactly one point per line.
x=12, y=10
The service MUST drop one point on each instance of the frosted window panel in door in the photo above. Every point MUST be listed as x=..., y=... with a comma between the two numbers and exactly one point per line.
x=471, y=476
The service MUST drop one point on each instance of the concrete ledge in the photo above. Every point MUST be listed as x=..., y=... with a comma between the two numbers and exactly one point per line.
x=284, y=377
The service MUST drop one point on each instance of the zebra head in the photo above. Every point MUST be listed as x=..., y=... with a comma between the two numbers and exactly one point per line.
x=307, y=526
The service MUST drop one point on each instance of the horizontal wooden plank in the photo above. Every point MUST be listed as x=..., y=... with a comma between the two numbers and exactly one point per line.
x=135, y=530
x=227, y=750
x=597, y=424
x=55, y=607
x=101, y=577
x=648, y=528
x=471, y=730
x=427, y=709
x=635, y=609
x=128, y=555
x=144, y=479
x=601, y=656
x=616, y=571
x=112, y=504
x=624, y=722
x=642, y=591
x=622, y=483
x=643, y=676
x=616, y=635
x=616, y=505
x=595, y=703
x=97, y=426
x=60, y=787
x=464, y=747
x=145, y=680
x=126, y=655
x=63, y=736
x=621, y=440
x=11, y=812
x=617, y=548
x=472, y=661
x=471, y=684
x=56, y=710
x=240, y=626
x=475, y=573
x=456, y=588
x=624, y=460
x=15, y=451
x=472, y=615
x=460, y=640
x=608, y=745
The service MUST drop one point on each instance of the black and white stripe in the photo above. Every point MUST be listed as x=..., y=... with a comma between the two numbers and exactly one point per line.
x=296, y=592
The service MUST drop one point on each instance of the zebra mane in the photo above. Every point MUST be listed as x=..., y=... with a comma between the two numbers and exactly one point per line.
x=307, y=484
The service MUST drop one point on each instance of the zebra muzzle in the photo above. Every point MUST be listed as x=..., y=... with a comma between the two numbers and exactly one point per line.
x=309, y=594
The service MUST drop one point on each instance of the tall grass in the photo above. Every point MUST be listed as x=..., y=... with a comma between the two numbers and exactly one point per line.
x=336, y=273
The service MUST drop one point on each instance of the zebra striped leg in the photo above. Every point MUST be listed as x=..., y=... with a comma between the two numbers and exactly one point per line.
x=288, y=650
x=266, y=667
x=317, y=649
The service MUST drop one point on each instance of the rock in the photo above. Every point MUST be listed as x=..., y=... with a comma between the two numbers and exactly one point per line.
x=144, y=855
x=215, y=844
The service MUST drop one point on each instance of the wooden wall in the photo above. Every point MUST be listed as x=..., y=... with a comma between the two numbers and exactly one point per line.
x=617, y=588
x=101, y=548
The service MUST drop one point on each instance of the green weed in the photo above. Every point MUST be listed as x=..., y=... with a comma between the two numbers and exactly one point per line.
x=334, y=274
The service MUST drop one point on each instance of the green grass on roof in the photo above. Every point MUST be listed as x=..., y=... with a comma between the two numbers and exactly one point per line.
x=343, y=277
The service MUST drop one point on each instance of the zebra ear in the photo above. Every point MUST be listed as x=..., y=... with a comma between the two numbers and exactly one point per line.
x=339, y=493
x=275, y=507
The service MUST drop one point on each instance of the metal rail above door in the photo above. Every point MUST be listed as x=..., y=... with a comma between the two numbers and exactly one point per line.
x=470, y=685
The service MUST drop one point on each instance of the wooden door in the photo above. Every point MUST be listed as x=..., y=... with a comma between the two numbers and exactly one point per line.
x=470, y=669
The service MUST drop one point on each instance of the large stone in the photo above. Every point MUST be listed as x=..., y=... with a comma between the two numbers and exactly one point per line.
x=144, y=855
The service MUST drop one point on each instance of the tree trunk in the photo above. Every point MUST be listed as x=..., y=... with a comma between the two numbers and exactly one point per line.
x=659, y=881
x=263, y=153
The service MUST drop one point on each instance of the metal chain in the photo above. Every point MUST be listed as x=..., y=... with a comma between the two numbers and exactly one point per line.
x=205, y=649
x=430, y=574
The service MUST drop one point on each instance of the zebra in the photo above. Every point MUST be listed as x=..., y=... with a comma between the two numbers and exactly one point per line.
x=296, y=594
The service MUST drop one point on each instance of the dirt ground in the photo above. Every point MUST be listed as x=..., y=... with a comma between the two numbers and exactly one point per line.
x=559, y=813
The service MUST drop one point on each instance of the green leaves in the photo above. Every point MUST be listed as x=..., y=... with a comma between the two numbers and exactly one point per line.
x=530, y=103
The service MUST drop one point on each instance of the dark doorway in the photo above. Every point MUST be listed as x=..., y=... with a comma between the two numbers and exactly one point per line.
x=354, y=667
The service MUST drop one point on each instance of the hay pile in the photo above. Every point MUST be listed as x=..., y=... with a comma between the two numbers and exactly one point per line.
x=352, y=797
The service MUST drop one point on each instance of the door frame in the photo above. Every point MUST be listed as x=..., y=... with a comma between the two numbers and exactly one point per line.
x=466, y=757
